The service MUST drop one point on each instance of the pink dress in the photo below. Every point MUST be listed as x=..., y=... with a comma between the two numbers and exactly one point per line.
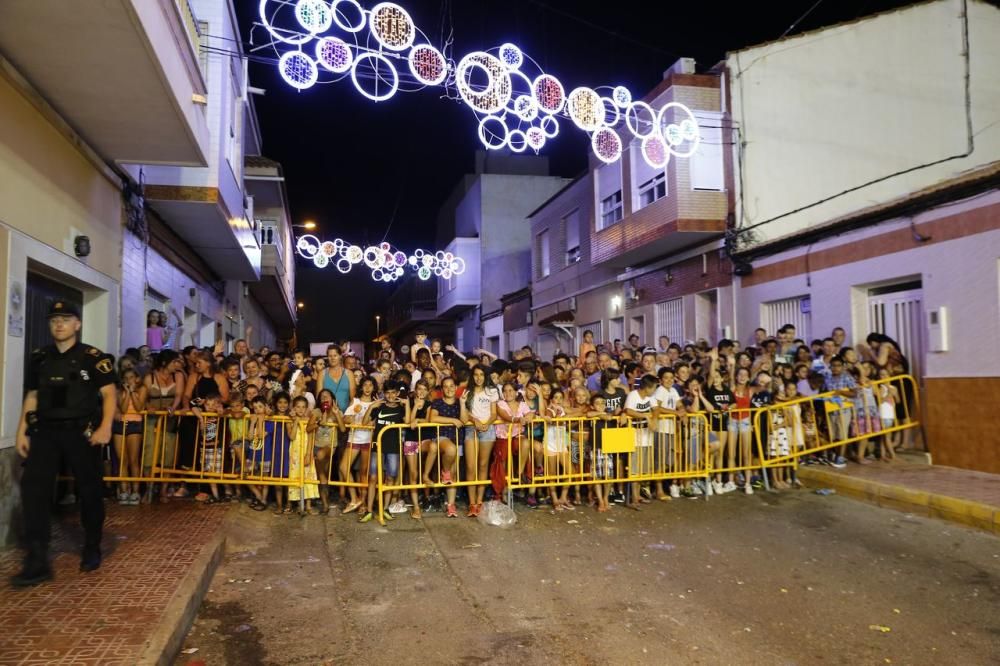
x=154, y=338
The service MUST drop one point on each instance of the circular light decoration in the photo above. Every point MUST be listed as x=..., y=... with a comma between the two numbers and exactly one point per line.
x=550, y=126
x=610, y=108
x=298, y=70
x=424, y=273
x=622, y=97
x=412, y=260
x=355, y=254
x=328, y=248
x=511, y=56
x=314, y=15
x=676, y=134
x=427, y=65
x=586, y=109
x=493, y=134
x=334, y=54
x=377, y=274
x=517, y=141
x=400, y=258
x=341, y=16
x=549, y=93
x=526, y=108
x=495, y=95
x=384, y=73
x=344, y=266
x=307, y=245
x=391, y=26
x=654, y=151
x=294, y=38
x=607, y=145
x=640, y=126
x=458, y=265
x=373, y=257
x=321, y=260
x=536, y=137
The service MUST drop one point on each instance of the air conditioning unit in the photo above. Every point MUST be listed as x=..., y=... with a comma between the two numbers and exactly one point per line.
x=632, y=293
x=572, y=303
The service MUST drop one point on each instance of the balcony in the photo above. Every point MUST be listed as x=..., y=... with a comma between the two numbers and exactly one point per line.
x=464, y=291
x=125, y=74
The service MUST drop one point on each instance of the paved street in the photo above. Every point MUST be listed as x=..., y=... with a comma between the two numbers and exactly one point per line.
x=794, y=578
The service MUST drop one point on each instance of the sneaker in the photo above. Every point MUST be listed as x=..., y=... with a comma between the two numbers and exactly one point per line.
x=675, y=490
x=728, y=487
x=748, y=489
x=619, y=498
x=532, y=501
x=452, y=511
x=644, y=492
x=367, y=518
x=695, y=489
x=397, y=507
x=708, y=488
x=740, y=479
x=123, y=499
x=839, y=462
x=68, y=500
x=717, y=488
x=133, y=499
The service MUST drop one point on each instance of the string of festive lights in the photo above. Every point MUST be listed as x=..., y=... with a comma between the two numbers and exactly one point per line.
x=387, y=263
x=517, y=104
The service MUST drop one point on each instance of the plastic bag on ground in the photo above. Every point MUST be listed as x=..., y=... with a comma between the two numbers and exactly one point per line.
x=498, y=514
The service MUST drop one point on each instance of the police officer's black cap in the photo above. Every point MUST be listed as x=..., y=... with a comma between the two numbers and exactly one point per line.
x=63, y=309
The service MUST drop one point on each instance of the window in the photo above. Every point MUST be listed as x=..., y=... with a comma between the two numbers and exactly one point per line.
x=795, y=311
x=611, y=209
x=653, y=189
x=571, y=229
x=542, y=246
x=670, y=319
x=706, y=163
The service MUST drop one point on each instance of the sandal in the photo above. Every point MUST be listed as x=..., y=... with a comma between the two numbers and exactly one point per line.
x=287, y=511
x=181, y=493
x=257, y=505
x=201, y=497
x=352, y=507
x=416, y=515
x=212, y=500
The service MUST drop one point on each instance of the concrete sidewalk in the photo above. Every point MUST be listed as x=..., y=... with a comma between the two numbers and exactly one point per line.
x=957, y=495
x=135, y=609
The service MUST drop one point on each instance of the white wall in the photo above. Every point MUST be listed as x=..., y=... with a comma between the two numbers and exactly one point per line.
x=960, y=274
x=833, y=109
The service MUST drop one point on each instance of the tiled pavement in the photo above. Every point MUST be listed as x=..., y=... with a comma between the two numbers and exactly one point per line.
x=104, y=617
x=949, y=481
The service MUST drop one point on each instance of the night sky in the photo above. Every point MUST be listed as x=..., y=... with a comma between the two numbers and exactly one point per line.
x=355, y=166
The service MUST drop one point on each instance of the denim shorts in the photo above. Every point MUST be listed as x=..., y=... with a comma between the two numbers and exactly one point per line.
x=739, y=425
x=390, y=465
x=487, y=437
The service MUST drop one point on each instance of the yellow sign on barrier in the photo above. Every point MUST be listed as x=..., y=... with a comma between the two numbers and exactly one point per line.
x=618, y=440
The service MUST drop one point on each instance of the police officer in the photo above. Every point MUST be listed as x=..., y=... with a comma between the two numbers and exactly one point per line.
x=68, y=411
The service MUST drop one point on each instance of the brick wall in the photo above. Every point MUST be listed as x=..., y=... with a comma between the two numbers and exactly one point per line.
x=687, y=277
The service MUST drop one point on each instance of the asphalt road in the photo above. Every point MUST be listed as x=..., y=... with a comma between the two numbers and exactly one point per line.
x=791, y=578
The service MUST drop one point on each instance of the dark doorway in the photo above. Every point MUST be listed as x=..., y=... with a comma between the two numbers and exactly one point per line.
x=41, y=293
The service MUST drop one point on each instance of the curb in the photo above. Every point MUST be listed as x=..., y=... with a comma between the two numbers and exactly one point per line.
x=964, y=512
x=163, y=645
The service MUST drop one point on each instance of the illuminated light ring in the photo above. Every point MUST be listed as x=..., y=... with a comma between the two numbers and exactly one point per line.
x=373, y=257
x=378, y=58
x=654, y=151
x=354, y=254
x=586, y=109
x=412, y=261
x=321, y=260
x=338, y=243
x=297, y=40
x=607, y=145
x=526, y=108
x=610, y=106
x=400, y=257
x=498, y=91
x=427, y=65
x=516, y=95
x=377, y=274
x=632, y=119
x=660, y=118
x=391, y=26
x=622, y=97
x=550, y=126
x=689, y=129
x=328, y=248
x=549, y=93
x=445, y=273
x=307, y=245
x=348, y=27
x=490, y=145
x=344, y=266
x=519, y=147
x=458, y=265
x=511, y=56
x=388, y=277
x=334, y=54
x=428, y=260
x=424, y=273
x=673, y=134
x=536, y=137
x=298, y=70
x=418, y=253
x=314, y=15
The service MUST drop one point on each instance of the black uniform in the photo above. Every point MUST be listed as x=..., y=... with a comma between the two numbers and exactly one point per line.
x=68, y=386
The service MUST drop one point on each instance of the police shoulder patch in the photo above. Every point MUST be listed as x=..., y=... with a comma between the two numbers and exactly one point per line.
x=93, y=351
x=105, y=366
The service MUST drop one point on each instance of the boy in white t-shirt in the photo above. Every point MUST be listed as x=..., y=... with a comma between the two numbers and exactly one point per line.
x=639, y=406
x=668, y=407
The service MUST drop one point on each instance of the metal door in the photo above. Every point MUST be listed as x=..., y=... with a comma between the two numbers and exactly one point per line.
x=40, y=294
x=900, y=315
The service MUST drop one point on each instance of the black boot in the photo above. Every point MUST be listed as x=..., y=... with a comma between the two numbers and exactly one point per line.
x=91, y=558
x=36, y=569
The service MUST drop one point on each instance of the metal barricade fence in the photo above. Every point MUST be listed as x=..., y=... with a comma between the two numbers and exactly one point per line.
x=788, y=431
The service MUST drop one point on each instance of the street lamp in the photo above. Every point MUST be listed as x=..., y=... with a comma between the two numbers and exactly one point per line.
x=309, y=225
x=300, y=305
x=378, y=321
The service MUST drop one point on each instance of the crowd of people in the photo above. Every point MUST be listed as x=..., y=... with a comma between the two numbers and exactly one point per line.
x=458, y=415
